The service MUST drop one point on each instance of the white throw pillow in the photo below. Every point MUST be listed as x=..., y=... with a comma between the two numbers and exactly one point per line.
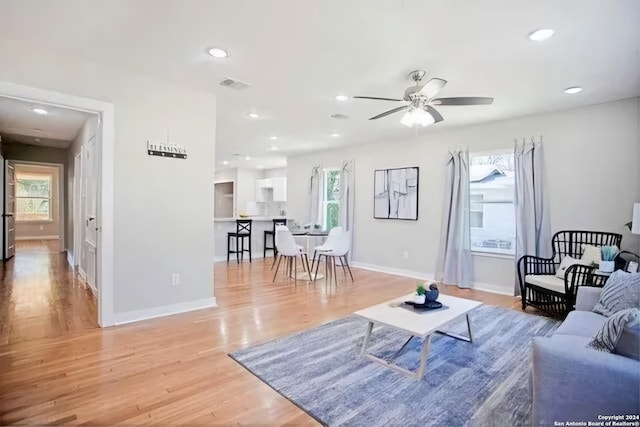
x=566, y=263
x=591, y=255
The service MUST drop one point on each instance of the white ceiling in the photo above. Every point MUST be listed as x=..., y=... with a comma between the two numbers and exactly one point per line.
x=56, y=129
x=298, y=55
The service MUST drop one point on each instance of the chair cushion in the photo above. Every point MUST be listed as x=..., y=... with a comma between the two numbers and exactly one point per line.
x=566, y=263
x=621, y=291
x=581, y=323
x=547, y=281
x=591, y=254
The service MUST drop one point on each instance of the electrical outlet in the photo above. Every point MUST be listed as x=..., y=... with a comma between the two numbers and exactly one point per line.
x=405, y=255
x=42, y=227
x=175, y=279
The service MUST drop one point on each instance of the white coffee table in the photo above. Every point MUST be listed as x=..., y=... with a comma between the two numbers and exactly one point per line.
x=417, y=324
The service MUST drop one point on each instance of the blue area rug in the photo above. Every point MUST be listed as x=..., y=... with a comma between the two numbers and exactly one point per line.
x=484, y=383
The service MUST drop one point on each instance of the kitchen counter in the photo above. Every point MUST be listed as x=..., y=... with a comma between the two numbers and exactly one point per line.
x=255, y=218
x=260, y=224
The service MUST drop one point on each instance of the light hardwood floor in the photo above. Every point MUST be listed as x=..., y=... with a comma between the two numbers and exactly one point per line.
x=172, y=370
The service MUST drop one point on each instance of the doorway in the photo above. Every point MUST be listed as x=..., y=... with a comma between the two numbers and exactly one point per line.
x=98, y=207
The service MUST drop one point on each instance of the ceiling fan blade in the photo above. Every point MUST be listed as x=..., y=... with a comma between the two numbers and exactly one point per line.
x=463, y=100
x=377, y=98
x=434, y=113
x=432, y=87
x=386, y=113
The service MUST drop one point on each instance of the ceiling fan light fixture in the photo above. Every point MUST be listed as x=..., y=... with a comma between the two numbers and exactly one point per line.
x=417, y=116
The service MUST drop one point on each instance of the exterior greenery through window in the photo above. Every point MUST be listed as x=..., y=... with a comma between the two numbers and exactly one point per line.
x=33, y=197
x=492, y=213
x=331, y=198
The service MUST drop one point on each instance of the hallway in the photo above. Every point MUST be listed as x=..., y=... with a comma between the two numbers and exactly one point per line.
x=40, y=297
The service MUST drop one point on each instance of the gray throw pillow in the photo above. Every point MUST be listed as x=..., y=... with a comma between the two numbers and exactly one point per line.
x=609, y=334
x=629, y=343
x=621, y=291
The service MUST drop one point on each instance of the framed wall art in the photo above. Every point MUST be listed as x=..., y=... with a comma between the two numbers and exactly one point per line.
x=396, y=193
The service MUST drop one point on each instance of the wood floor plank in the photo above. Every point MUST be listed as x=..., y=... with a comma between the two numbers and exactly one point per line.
x=57, y=367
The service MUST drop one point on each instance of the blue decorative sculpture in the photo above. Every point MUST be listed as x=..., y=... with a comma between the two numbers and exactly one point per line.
x=433, y=293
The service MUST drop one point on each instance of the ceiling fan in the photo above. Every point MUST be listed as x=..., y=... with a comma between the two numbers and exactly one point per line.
x=419, y=100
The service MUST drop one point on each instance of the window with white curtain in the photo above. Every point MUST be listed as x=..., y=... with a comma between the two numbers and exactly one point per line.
x=33, y=196
x=492, y=215
x=330, y=195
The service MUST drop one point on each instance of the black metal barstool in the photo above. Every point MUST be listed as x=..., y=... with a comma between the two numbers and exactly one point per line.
x=272, y=233
x=243, y=229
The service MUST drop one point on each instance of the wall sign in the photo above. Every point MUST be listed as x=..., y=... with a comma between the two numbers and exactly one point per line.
x=173, y=151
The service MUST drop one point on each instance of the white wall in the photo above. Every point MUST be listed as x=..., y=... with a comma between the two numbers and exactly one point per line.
x=592, y=163
x=246, y=187
x=162, y=222
x=275, y=173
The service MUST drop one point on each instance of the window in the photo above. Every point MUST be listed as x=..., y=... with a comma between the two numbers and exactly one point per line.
x=330, y=198
x=477, y=210
x=492, y=215
x=33, y=197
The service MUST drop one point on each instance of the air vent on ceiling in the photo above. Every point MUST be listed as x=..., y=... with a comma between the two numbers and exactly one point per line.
x=234, y=84
x=339, y=116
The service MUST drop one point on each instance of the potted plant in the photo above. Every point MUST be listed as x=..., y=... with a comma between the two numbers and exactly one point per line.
x=420, y=296
x=608, y=255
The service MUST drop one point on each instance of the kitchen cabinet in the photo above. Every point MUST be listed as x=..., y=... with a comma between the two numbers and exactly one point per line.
x=279, y=189
x=271, y=190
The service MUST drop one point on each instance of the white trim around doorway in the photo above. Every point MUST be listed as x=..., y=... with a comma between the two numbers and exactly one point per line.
x=105, y=110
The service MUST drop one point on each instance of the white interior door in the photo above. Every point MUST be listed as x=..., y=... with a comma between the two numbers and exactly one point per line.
x=9, y=210
x=90, y=198
x=77, y=220
x=2, y=205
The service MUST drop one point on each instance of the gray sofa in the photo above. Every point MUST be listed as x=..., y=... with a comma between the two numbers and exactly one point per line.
x=571, y=382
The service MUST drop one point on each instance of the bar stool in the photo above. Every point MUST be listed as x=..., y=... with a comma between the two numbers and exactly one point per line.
x=243, y=229
x=272, y=233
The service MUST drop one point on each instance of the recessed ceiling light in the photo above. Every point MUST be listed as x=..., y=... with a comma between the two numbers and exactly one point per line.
x=247, y=158
x=217, y=52
x=273, y=148
x=273, y=138
x=40, y=111
x=260, y=166
x=342, y=97
x=224, y=162
x=573, y=90
x=540, y=35
x=335, y=135
x=253, y=115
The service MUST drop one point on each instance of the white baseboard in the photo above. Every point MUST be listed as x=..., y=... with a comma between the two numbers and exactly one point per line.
x=82, y=274
x=232, y=257
x=494, y=289
x=37, y=237
x=94, y=291
x=486, y=287
x=395, y=271
x=70, y=259
x=165, y=310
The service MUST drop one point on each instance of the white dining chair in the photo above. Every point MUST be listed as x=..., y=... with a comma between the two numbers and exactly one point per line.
x=341, y=247
x=327, y=245
x=288, y=248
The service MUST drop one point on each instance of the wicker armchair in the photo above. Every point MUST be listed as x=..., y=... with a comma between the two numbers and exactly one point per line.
x=540, y=287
